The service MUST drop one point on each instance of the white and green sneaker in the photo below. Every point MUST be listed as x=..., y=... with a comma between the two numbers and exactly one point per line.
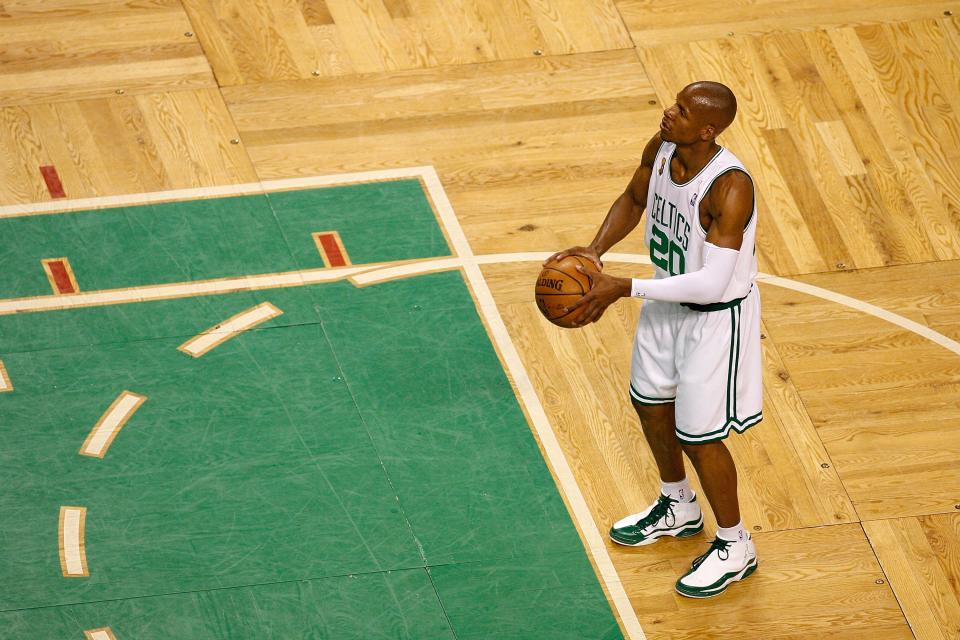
x=723, y=564
x=665, y=517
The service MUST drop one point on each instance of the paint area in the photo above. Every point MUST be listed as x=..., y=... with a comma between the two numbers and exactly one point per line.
x=322, y=460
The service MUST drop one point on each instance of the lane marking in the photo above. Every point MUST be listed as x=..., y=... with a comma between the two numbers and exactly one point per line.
x=110, y=423
x=110, y=202
x=331, y=249
x=378, y=275
x=5, y=383
x=73, y=553
x=528, y=395
x=174, y=290
x=61, y=276
x=229, y=328
x=204, y=193
x=106, y=633
x=374, y=273
x=52, y=179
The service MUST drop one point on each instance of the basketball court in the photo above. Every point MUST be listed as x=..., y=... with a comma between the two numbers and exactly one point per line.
x=270, y=365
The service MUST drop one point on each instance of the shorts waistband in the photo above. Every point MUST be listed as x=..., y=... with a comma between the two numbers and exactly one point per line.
x=716, y=306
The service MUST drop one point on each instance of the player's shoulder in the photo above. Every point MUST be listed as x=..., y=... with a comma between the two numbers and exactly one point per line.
x=734, y=178
x=729, y=173
x=732, y=188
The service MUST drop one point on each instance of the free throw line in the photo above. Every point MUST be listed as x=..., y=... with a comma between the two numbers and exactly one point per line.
x=110, y=423
x=229, y=328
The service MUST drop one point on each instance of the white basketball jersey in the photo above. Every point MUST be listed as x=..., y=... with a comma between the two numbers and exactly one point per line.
x=673, y=233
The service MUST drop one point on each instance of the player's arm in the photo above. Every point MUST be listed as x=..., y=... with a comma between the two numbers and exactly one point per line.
x=730, y=205
x=625, y=213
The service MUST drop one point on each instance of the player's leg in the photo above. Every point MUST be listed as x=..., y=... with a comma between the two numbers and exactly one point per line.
x=718, y=477
x=732, y=555
x=660, y=430
x=652, y=390
x=719, y=391
x=675, y=512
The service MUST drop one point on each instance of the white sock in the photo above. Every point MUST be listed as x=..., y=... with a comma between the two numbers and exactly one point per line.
x=679, y=491
x=736, y=533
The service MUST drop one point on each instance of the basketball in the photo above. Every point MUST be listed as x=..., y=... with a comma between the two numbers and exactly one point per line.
x=560, y=285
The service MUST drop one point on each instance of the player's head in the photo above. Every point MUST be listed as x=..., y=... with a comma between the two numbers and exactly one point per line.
x=702, y=110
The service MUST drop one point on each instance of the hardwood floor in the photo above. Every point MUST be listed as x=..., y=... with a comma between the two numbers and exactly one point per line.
x=534, y=114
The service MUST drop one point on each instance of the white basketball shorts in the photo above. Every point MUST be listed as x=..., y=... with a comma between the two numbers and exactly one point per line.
x=706, y=361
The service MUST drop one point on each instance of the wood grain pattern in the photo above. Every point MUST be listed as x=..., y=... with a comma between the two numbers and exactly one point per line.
x=811, y=583
x=835, y=124
x=920, y=557
x=59, y=50
x=121, y=144
x=676, y=21
x=843, y=152
x=257, y=41
x=883, y=400
x=545, y=142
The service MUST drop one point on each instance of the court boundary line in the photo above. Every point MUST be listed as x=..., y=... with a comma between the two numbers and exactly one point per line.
x=487, y=307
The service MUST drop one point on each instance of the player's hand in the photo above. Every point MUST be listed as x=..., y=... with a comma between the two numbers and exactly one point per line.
x=587, y=252
x=604, y=291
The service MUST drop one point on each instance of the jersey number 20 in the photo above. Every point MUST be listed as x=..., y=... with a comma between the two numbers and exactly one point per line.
x=665, y=253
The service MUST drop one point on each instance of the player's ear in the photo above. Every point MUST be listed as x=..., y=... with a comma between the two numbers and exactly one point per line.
x=708, y=132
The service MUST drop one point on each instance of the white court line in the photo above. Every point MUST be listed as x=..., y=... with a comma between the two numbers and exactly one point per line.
x=175, y=290
x=106, y=633
x=73, y=554
x=107, y=202
x=383, y=274
x=229, y=328
x=865, y=307
x=5, y=383
x=529, y=397
x=248, y=188
x=110, y=423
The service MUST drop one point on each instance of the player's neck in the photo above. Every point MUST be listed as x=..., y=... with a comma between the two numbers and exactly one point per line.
x=694, y=157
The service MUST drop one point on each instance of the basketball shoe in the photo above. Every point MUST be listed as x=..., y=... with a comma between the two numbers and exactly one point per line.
x=665, y=517
x=723, y=564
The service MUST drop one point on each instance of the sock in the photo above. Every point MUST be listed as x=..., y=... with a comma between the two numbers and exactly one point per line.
x=679, y=491
x=735, y=533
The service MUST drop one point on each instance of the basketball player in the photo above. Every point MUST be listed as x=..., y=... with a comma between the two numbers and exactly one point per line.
x=695, y=371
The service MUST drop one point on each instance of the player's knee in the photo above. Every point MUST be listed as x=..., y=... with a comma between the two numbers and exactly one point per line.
x=655, y=412
x=702, y=450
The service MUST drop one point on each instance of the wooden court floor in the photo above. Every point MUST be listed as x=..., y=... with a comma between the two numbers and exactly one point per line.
x=534, y=114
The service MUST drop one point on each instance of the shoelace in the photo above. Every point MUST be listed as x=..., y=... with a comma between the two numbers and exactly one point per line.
x=663, y=509
x=721, y=546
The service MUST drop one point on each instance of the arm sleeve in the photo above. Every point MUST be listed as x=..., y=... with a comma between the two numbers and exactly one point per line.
x=704, y=286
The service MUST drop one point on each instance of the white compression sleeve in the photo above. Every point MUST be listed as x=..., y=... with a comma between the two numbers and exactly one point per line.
x=704, y=286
